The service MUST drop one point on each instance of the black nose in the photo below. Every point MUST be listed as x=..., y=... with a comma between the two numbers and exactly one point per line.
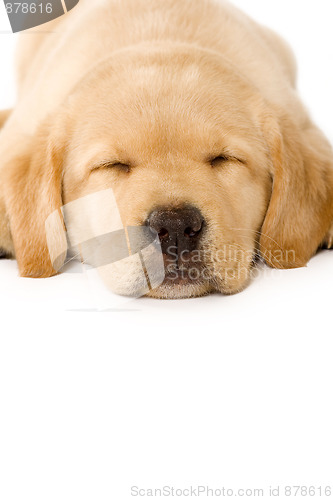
x=179, y=229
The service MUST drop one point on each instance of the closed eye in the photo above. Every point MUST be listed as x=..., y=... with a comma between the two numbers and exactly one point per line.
x=125, y=167
x=221, y=159
x=218, y=160
x=121, y=166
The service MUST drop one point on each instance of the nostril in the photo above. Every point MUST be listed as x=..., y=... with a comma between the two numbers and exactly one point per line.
x=190, y=233
x=163, y=233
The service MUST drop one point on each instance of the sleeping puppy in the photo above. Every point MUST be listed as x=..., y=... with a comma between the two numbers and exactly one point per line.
x=188, y=111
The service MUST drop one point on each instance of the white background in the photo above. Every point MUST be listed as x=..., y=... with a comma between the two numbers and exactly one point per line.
x=219, y=391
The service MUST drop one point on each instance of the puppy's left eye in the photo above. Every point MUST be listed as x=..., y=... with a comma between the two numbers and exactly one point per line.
x=121, y=166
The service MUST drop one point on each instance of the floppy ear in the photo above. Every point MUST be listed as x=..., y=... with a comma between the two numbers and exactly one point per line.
x=300, y=211
x=32, y=188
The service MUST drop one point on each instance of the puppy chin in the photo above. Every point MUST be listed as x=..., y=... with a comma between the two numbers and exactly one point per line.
x=130, y=278
x=178, y=291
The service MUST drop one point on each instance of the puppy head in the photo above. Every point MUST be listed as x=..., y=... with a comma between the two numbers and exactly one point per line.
x=191, y=151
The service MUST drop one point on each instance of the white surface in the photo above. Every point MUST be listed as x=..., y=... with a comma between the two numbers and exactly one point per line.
x=219, y=391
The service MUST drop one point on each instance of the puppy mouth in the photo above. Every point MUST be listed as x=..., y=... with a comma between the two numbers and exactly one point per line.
x=190, y=276
x=174, y=273
x=183, y=279
x=179, y=274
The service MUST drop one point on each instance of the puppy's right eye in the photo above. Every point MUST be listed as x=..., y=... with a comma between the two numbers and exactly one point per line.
x=124, y=167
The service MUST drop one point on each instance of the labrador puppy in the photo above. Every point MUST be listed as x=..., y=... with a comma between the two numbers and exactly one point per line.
x=187, y=110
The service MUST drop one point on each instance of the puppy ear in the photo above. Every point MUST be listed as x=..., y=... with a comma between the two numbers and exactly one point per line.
x=33, y=186
x=300, y=211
